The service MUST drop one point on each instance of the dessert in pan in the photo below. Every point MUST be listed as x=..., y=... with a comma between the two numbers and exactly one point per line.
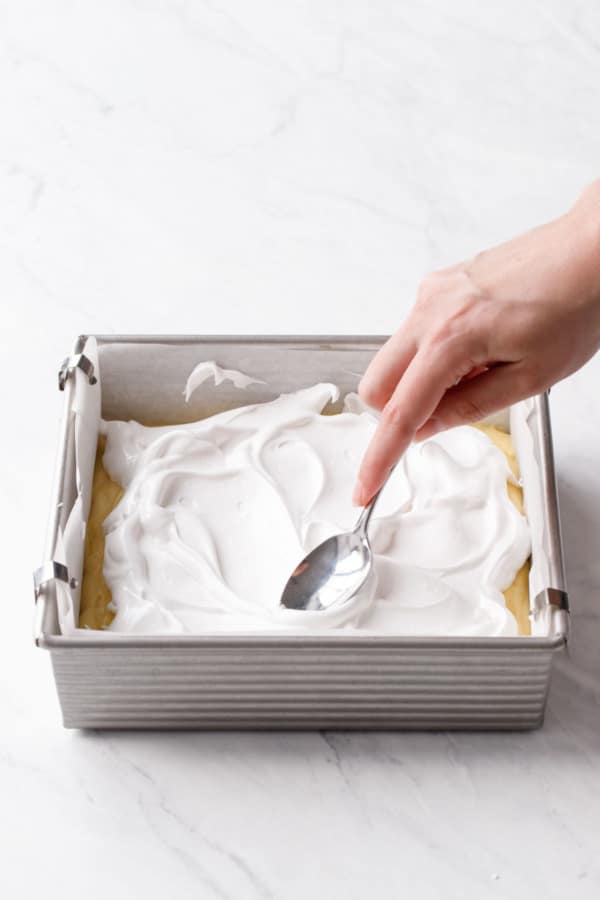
x=195, y=528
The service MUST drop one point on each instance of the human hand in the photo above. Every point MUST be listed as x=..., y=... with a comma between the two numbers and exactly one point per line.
x=486, y=333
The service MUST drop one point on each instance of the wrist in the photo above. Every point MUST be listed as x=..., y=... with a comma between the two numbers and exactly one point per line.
x=585, y=220
x=586, y=215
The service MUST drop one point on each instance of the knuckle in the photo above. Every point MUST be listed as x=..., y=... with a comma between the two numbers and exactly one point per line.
x=443, y=332
x=464, y=307
x=428, y=288
x=458, y=338
x=391, y=414
x=394, y=416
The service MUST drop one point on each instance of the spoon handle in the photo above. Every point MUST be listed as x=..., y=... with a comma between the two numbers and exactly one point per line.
x=363, y=520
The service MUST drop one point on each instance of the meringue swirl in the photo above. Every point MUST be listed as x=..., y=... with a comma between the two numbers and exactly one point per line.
x=216, y=514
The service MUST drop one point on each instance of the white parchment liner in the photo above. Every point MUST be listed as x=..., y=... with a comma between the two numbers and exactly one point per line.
x=86, y=409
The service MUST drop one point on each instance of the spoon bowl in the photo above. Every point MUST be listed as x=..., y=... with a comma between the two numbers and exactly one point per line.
x=336, y=571
x=333, y=573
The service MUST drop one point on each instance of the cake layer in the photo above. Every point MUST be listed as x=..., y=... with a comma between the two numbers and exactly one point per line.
x=214, y=515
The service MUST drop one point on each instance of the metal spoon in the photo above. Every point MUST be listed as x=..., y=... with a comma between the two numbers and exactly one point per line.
x=335, y=571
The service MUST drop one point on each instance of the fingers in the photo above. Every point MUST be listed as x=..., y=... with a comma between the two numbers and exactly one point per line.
x=424, y=404
x=480, y=396
x=391, y=361
x=387, y=368
x=415, y=398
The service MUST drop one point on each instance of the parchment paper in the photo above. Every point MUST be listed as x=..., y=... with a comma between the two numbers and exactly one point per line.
x=86, y=410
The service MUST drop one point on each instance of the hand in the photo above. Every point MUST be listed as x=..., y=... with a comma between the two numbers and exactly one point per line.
x=486, y=333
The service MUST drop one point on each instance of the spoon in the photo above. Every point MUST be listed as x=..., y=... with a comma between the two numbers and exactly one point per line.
x=336, y=571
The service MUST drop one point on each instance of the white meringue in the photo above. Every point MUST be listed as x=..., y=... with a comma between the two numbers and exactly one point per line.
x=217, y=513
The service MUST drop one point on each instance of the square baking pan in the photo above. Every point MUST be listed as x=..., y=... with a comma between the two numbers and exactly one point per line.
x=339, y=680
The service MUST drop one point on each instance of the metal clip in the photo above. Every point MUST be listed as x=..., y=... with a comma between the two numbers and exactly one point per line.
x=554, y=598
x=51, y=571
x=555, y=602
x=77, y=361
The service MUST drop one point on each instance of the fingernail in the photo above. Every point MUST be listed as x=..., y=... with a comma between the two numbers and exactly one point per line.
x=359, y=494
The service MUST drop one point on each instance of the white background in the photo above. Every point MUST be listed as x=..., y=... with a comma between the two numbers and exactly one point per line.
x=257, y=166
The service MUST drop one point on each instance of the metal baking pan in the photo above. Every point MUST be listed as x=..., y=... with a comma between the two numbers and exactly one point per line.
x=284, y=682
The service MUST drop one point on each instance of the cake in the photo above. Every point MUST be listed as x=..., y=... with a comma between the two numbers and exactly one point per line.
x=195, y=528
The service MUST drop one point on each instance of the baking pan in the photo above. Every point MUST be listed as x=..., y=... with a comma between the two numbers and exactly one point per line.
x=292, y=681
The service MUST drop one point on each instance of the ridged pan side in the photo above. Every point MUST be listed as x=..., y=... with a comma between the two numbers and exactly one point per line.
x=301, y=689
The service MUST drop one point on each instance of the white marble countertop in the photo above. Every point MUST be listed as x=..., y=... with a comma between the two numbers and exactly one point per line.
x=185, y=166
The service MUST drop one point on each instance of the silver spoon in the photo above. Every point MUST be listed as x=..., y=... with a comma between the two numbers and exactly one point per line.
x=335, y=571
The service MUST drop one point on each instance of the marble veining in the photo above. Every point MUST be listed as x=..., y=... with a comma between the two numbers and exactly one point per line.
x=283, y=167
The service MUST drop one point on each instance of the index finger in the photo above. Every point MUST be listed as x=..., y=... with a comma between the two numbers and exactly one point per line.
x=416, y=396
x=388, y=366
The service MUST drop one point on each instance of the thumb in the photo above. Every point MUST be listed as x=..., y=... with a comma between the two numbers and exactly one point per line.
x=480, y=396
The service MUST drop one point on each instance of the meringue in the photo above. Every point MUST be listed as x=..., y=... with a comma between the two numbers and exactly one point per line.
x=216, y=514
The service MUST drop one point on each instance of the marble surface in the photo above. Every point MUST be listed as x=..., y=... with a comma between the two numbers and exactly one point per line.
x=282, y=167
